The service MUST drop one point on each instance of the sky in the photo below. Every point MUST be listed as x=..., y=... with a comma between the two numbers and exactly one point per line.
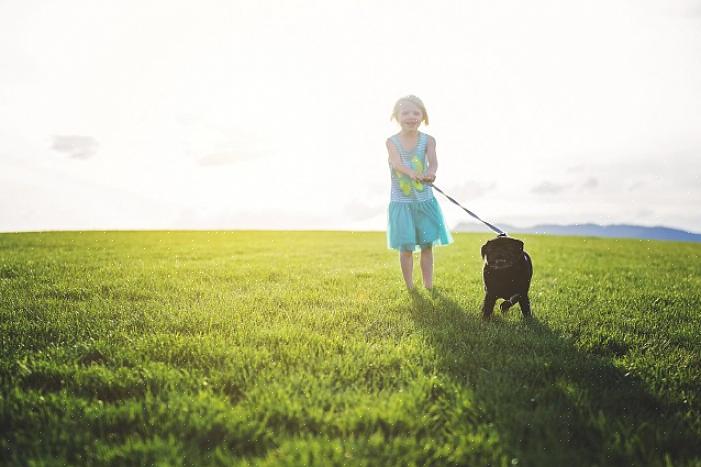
x=269, y=114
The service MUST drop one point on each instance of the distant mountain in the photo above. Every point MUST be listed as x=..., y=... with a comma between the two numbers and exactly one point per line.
x=593, y=230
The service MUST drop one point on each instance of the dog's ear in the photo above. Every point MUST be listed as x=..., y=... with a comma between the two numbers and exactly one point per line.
x=483, y=250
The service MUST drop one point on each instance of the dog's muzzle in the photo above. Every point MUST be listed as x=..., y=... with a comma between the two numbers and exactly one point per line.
x=499, y=264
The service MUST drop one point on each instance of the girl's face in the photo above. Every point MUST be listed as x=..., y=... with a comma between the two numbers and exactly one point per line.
x=410, y=116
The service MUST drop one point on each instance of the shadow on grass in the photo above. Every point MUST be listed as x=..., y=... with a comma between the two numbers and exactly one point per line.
x=552, y=403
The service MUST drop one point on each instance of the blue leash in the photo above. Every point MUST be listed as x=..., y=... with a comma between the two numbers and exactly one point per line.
x=495, y=229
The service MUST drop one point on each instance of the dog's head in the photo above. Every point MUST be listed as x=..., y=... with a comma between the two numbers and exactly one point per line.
x=502, y=252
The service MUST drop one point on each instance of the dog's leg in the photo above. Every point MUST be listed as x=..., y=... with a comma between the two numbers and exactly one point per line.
x=506, y=304
x=525, y=304
x=488, y=305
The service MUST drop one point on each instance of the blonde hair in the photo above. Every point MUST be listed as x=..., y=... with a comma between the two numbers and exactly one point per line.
x=414, y=100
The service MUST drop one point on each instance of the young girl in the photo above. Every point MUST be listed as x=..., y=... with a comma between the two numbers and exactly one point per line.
x=415, y=220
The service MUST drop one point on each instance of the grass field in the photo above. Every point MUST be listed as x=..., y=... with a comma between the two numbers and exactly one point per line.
x=290, y=348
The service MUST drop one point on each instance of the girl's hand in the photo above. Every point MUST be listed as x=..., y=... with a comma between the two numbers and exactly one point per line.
x=429, y=177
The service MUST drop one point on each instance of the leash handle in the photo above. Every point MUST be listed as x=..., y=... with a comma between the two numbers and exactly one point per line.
x=494, y=228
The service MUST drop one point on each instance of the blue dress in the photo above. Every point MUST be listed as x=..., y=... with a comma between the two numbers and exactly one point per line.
x=414, y=218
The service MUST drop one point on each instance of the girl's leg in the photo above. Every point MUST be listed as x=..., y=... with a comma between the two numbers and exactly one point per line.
x=406, y=260
x=427, y=266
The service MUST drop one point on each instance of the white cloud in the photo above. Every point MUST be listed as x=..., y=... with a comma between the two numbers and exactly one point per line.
x=548, y=188
x=75, y=146
x=590, y=183
x=470, y=190
x=358, y=210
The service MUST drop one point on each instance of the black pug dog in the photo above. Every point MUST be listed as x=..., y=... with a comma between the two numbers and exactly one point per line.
x=507, y=274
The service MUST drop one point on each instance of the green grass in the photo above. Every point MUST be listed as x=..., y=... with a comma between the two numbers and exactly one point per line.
x=289, y=348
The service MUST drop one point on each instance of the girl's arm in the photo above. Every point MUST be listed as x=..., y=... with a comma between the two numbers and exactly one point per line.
x=430, y=175
x=395, y=161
